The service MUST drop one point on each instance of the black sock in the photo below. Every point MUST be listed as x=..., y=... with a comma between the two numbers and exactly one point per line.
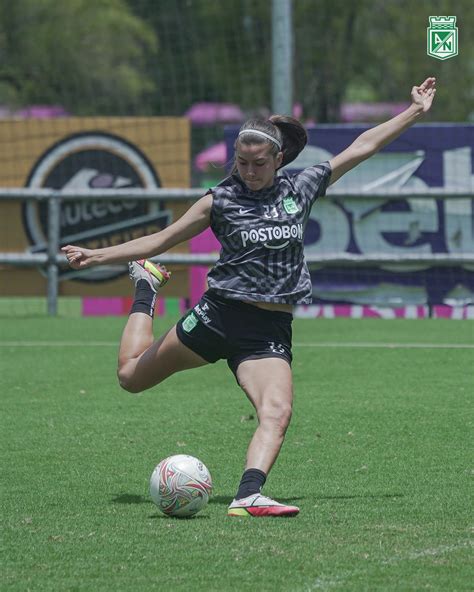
x=145, y=298
x=252, y=482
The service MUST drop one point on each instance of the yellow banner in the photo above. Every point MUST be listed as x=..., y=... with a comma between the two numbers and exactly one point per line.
x=79, y=153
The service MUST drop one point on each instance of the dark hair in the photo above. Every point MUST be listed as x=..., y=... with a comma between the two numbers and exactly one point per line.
x=287, y=132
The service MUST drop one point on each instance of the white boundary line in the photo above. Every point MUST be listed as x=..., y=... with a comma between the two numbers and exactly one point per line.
x=59, y=343
x=343, y=578
x=319, y=344
x=388, y=345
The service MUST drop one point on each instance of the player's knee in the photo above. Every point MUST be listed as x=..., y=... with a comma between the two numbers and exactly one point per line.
x=277, y=414
x=285, y=416
x=127, y=382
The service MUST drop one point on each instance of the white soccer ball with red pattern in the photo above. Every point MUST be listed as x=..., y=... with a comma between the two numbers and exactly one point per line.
x=180, y=485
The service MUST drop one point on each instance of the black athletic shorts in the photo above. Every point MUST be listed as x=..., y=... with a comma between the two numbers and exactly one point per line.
x=218, y=328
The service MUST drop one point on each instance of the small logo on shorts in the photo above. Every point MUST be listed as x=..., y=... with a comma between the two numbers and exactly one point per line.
x=190, y=322
x=276, y=348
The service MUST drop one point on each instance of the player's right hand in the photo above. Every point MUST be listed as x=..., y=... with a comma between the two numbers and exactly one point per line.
x=78, y=257
x=423, y=95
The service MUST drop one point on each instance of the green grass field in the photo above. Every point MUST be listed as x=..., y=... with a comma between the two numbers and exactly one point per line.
x=377, y=457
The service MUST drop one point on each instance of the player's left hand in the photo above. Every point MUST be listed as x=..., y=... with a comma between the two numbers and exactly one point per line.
x=423, y=95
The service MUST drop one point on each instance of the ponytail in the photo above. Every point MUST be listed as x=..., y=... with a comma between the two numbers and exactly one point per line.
x=293, y=134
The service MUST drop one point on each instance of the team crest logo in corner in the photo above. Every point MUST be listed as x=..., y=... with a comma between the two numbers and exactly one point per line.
x=442, y=40
x=93, y=161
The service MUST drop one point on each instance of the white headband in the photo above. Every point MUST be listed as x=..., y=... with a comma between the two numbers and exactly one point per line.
x=263, y=134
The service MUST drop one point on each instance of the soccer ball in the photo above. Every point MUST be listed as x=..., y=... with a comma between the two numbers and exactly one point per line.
x=180, y=485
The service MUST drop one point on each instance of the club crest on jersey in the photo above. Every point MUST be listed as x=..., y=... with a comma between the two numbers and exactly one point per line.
x=290, y=206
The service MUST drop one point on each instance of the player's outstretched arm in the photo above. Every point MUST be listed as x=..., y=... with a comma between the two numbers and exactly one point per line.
x=377, y=137
x=194, y=221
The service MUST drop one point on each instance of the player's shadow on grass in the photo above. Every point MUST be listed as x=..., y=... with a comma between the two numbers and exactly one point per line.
x=360, y=496
x=130, y=498
x=225, y=500
x=133, y=498
x=178, y=518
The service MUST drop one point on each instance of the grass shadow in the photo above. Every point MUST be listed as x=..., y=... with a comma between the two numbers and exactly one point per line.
x=178, y=518
x=130, y=498
x=225, y=500
x=133, y=498
x=362, y=496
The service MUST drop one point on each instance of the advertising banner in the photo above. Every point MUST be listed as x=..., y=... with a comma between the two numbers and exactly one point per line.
x=95, y=153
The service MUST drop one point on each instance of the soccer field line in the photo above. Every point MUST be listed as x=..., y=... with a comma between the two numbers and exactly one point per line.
x=343, y=578
x=387, y=345
x=316, y=344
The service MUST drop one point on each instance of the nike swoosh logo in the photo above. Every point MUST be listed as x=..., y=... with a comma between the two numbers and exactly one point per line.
x=242, y=212
x=282, y=246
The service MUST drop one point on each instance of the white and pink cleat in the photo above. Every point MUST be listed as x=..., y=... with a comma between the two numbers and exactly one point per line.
x=258, y=505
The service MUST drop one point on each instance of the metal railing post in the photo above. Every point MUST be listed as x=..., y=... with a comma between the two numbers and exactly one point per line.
x=53, y=248
x=282, y=57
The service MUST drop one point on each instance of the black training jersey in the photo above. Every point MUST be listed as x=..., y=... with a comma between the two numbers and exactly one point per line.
x=262, y=237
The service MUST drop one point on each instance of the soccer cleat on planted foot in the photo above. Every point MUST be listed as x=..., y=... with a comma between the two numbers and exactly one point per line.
x=155, y=274
x=258, y=505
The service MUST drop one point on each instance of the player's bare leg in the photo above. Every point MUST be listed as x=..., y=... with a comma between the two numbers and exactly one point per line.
x=157, y=362
x=267, y=383
x=143, y=362
x=137, y=336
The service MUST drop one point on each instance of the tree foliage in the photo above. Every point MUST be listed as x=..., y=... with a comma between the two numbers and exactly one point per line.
x=358, y=50
x=210, y=51
x=87, y=55
x=325, y=53
x=393, y=54
x=161, y=56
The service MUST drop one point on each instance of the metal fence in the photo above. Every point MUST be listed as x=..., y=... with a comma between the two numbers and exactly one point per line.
x=52, y=259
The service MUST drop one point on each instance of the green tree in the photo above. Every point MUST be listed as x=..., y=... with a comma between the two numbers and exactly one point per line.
x=392, y=54
x=375, y=50
x=161, y=56
x=326, y=50
x=209, y=51
x=87, y=55
x=221, y=52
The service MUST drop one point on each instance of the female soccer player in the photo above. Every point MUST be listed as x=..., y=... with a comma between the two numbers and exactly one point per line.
x=245, y=316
